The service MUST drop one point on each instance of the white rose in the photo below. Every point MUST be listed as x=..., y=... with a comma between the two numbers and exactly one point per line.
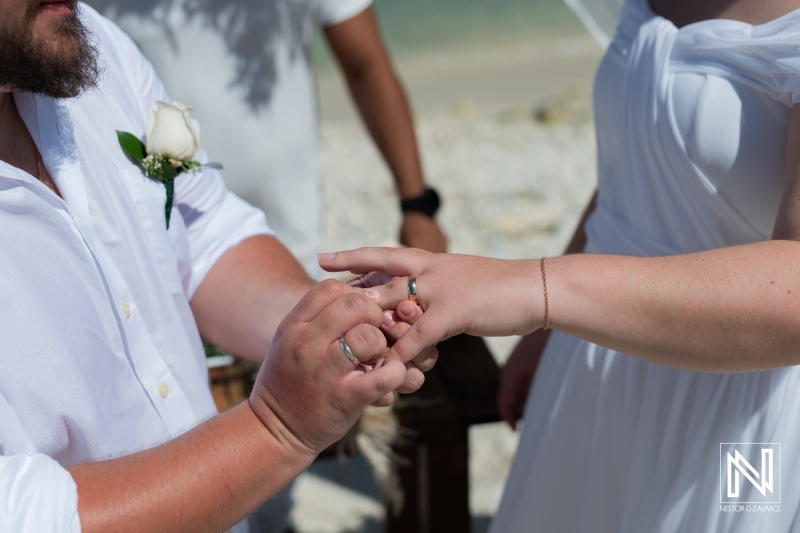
x=172, y=132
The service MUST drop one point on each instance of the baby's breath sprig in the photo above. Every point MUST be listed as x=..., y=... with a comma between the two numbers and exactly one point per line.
x=159, y=167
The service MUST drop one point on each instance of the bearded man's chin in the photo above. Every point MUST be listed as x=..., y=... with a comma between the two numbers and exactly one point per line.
x=62, y=67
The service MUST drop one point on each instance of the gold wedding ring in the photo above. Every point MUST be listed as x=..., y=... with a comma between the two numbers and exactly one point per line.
x=348, y=352
x=412, y=289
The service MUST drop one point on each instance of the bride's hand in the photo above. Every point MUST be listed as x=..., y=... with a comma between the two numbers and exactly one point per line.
x=458, y=293
x=395, y=324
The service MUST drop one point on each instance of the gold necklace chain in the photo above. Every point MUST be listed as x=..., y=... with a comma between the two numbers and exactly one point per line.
x=38, y=163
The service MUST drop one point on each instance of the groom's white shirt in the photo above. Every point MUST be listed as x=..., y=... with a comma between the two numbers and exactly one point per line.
x=99, y=352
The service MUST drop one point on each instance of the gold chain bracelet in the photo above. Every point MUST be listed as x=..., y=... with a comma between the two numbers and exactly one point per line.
x=546, y=301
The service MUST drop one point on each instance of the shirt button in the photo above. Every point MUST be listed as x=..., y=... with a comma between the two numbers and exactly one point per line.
x=163, y=390
x=126, y=309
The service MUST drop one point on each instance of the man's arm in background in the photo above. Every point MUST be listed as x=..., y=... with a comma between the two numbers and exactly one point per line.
x=381, y=100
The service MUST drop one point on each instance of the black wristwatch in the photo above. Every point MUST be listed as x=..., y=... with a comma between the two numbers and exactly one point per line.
x=427, y=203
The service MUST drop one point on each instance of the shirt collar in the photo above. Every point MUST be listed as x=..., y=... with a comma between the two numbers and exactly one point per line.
x=50, y=123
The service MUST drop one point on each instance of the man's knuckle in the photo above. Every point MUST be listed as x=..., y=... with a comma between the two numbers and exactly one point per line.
x=364, y=336
x=356, y=304
x=376, y=338
x=331, y=288
x=428, y=359
x=382, y=385
x=414, y=380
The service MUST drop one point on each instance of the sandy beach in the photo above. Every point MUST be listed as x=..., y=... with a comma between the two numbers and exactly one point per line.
x=507, y=139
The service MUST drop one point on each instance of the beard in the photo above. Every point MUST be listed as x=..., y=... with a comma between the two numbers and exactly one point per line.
x=62, y=65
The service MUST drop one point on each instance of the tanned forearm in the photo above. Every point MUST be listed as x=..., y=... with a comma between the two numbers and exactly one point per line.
x=734, y=309
x=727, y=310
x=380, y=97
x=206, y=480
x=247, y=293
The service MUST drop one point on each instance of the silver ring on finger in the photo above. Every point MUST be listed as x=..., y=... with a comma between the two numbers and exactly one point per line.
x=348, y=352
x=412, y=289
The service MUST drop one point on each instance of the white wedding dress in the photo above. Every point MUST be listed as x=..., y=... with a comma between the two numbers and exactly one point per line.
x=691, y=129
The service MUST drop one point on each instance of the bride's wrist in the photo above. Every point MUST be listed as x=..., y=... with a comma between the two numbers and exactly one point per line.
x=522, y=310
x=552, y=292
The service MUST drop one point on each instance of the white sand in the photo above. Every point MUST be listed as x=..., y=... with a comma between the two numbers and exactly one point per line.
x=512, y=187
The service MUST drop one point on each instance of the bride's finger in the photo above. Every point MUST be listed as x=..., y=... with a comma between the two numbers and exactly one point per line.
x=370, y=279
x=393, y=261
x=397, y=293
x=396, y=322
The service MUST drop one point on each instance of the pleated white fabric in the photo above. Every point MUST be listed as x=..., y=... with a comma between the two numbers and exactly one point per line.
x=691, y=127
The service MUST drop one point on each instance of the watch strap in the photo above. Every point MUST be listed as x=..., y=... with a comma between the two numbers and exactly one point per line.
x=427, y=203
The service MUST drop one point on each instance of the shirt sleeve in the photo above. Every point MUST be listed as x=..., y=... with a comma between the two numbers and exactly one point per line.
x=332, y=12
x=37, y=494
x=215, y=218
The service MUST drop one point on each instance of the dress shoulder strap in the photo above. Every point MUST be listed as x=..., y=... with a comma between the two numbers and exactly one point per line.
x=600, y=16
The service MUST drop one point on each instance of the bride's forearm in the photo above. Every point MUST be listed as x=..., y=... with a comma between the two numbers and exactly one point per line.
x=732, y=309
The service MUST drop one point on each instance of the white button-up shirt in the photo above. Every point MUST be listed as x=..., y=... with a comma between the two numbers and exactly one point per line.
x=99, y=352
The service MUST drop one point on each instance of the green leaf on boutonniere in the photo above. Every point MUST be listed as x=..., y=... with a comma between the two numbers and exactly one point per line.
x=131, y=145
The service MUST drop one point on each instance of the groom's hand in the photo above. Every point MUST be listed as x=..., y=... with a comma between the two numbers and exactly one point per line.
x=308, y=393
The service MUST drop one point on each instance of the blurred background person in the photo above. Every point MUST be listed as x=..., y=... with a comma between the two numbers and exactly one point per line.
x=247, y=64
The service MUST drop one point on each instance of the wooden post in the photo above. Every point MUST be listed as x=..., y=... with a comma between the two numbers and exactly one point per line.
x=433, y=453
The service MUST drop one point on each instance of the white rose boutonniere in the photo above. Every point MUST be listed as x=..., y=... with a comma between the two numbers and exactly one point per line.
x=172, y=132
x=173, y=138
